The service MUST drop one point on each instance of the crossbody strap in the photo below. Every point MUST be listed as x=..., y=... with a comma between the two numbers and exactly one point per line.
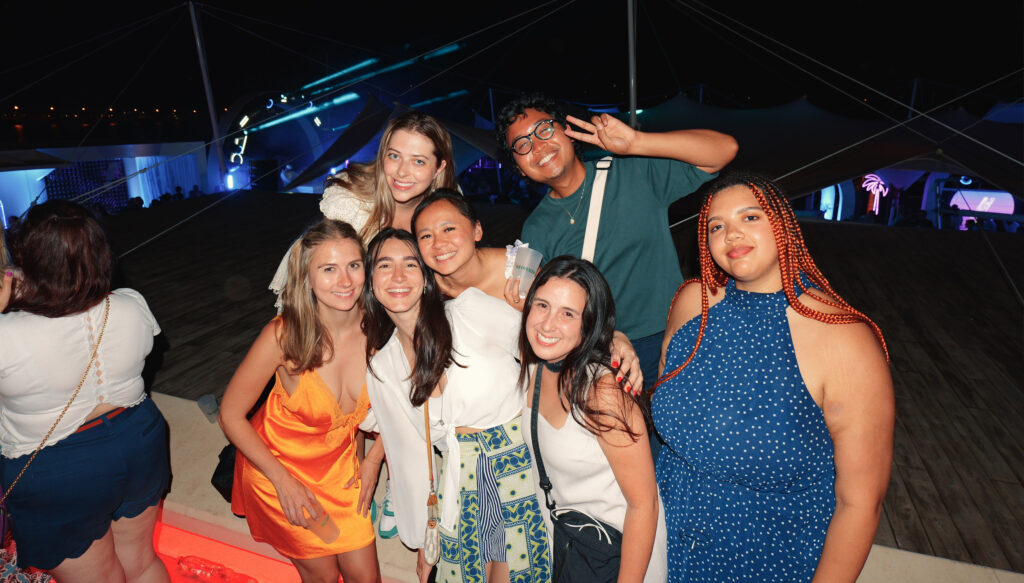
x=430, y=446
x=596, y=200
x=545, y=482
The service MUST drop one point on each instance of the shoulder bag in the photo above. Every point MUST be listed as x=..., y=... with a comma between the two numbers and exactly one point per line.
x=432, y=537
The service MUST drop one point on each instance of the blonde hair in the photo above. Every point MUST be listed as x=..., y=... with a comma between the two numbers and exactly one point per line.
x=369, y=182
x=303, y=337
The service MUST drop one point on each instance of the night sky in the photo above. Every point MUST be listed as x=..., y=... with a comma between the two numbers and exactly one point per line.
x=142, y=54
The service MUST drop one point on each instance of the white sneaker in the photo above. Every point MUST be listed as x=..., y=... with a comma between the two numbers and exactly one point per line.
x=388, y=526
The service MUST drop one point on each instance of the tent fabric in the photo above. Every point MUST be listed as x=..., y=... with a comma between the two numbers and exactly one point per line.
x=469, y=144
x=363, y=128
x=807, y=148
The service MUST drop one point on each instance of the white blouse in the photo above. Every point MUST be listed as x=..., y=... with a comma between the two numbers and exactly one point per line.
x=482, y=393
x=582, y=479
x=42, y=359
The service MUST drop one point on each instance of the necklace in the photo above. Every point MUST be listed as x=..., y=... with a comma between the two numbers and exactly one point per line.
x=583, y=194
x=552, y=366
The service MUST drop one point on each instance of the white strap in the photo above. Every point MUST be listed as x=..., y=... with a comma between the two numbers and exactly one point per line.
x=594, y=216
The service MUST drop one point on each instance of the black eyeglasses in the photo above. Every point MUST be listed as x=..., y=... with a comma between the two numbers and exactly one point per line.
x=544, y=129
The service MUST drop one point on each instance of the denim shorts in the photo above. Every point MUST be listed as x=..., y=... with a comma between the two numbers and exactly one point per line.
x=74, y=489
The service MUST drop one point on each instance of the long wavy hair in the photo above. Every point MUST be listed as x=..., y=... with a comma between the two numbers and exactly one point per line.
x=369, y=181
x=794, y=260
x=597, y=325
x=66, y=260
x=303, y=337
x=432, y=339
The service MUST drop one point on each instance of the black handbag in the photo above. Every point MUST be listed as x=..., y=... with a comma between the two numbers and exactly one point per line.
x=584, y=549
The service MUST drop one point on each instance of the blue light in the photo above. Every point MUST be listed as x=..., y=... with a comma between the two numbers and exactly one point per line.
x=345, y=71
x=230, y=182
x=443, y=51
x=966, y=180
x=307, y=111
x=828, y=202
x=451, y=95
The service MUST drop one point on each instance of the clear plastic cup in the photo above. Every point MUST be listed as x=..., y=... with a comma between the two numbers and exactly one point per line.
x=525, y=268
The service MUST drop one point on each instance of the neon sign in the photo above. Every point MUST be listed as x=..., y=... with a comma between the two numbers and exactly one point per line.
x=875, y=185
x=240, y=142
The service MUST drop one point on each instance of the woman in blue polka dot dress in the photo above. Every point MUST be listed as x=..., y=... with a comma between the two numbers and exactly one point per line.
x=777, y=410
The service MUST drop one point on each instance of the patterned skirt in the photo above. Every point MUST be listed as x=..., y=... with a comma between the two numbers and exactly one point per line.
x=499, y=516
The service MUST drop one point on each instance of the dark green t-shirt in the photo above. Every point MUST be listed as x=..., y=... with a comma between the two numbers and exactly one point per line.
x=635, y=252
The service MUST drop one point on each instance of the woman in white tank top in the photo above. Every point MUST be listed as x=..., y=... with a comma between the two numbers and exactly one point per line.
x=592, y=435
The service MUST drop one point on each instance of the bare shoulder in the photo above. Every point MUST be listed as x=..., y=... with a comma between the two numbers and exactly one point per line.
x=616, y=409
x=606, y=394
x=687, y=304
x=814, y=300
x=268, y=343
x=494, y=259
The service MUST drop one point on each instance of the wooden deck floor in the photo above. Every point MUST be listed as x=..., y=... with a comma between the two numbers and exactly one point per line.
x=955, y=333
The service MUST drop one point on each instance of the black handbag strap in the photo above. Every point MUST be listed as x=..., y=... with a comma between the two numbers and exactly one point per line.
x=545, y=482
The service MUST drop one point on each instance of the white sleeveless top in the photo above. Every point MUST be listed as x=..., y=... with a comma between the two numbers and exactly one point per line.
x=582, y=479
x=42, y=360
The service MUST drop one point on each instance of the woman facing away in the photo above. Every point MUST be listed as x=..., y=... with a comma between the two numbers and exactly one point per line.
x=71, y=359
x=414, y=158
x=447, y=231
x=300, y=464
x=592, y=435
x=778, y=410
x=458, y=361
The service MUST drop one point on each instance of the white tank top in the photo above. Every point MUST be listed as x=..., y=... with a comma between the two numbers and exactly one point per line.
x=582, y=479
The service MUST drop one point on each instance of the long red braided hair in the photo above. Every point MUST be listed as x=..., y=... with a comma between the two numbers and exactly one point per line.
x=794, y=259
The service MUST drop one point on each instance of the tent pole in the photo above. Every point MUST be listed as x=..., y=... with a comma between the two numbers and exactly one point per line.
x=209, y=92
x=631, y=35
x=494, y=122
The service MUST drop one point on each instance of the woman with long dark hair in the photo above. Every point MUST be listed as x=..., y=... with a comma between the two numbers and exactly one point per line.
x=453, y=366
x=592, y=435
x=85, y=458
x=777, y=410
x=447, y=231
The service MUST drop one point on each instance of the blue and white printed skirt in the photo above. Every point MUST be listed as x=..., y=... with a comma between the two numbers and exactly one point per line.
x=499, y=516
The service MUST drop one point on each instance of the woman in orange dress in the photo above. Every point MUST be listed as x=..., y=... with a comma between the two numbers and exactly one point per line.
x=297, y=481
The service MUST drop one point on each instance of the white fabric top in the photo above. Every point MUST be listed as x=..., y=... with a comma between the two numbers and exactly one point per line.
x=485, y=336
x=42, y=359
x=583, y=480
x=339, y=204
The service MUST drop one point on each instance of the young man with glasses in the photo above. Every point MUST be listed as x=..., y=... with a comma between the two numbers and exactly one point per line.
x=650, y=171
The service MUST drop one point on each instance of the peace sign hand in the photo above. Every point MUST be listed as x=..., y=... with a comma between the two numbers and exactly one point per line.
x=604, y=131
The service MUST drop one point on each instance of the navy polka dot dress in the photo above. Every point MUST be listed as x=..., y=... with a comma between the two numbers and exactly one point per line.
x=746, y=473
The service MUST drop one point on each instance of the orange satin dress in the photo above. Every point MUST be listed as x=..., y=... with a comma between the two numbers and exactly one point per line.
x=310, y=435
